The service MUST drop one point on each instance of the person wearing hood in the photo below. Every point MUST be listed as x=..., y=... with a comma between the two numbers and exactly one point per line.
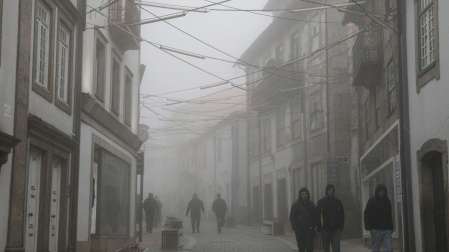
x=331, y=219
x=303, y=221
x=379, y=219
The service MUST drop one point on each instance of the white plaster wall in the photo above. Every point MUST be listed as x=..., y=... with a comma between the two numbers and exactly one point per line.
x=130, y=59
x=429, y=109
x=85, y=172
x=7, y=99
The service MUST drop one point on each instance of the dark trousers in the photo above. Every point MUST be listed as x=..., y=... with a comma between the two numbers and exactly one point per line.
x=331, y=238
x=150, y=219
x=195, y=218
x=305, y=243
x=220, y=221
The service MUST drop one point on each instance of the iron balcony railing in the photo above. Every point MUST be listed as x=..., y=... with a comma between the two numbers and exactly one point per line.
x=126, y=12
x=367, y=54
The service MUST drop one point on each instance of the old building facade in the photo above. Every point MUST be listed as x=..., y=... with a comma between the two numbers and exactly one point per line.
x=109, y=127
x=299, y=93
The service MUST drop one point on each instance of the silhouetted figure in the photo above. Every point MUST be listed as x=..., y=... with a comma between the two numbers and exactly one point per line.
x=150, y=207
x=332, y=220
x=195, y=206
x=219, y=207
x=379, y=219
x=303, y=220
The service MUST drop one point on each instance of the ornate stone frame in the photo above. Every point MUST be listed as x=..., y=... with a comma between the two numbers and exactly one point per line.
x=433, y=145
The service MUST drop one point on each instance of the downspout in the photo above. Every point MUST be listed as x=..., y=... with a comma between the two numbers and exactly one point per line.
x=406, y=178
x=248, y=154
x=259, y=148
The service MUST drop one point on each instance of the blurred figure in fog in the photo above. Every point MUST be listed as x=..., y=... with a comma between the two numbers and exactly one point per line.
x=158, y=216
x=195, y=206
x=150, y=207
x=379, y=219
x=303, y=220
x=219, y=207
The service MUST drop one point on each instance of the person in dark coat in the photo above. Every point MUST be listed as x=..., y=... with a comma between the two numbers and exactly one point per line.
x=331, y=219
x=195, y=206
x=303, y=220
x=379, y=219
x=219, y=207
x=150, y=207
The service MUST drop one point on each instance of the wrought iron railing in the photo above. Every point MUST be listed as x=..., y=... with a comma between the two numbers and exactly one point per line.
x=126, y=12
x=367, y=48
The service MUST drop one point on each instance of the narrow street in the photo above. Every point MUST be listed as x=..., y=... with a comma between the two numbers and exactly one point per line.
x=241, y=238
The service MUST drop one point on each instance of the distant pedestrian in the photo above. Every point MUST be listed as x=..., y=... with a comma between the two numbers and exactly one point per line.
x=150, y=207
x=158, y=216
x=379, y=219
x=195, y=205
x=331, y=219
x=303, y=220
x=219, y=207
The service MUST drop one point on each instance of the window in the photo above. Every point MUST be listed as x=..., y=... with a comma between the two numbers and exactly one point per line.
x=377, y=102
x=266, y=121
x=63, y=65
x=317, y=183
x=427, y=33
x=391, y=87
x=100, y=69
x=296, y=119
x=254, y=138
x=110, y=204
x=294, y=49
x=42, y=45
x=115, y=86
x=279, y=54
x=128, y=98
x=280, y=127
x=314, y=111
x=315, y=33
x=367, y=119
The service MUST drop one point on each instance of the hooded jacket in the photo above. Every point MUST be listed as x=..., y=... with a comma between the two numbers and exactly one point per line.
x=331, y=215
x=303, y=214
x=377, y=214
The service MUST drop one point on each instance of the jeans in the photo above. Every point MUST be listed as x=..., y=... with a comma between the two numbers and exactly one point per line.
x=331, y=238
x=381, y=236
x=220, y=221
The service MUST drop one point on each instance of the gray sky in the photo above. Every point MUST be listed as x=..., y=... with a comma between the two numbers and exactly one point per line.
x=229, y=31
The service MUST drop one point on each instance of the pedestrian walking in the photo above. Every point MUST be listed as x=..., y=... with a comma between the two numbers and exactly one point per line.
x=195, y=207
x=331, y=219
x=219, y=207
x=303, y=221
x=379, y=219
x=158, y=216
x=150, y=207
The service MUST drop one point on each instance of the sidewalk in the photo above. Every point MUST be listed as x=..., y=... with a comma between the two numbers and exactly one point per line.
x=153, y=241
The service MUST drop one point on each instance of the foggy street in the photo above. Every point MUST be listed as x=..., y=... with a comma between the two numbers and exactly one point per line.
x=296, y=125
x=240, y=239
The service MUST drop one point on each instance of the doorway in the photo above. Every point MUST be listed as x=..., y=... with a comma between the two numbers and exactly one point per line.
x=433, y=202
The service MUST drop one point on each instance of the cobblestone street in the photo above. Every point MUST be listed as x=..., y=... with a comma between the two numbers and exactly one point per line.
x=239, y=239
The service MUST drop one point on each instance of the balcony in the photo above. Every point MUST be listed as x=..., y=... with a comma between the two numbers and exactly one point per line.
x=124, y=13
x=367, y=58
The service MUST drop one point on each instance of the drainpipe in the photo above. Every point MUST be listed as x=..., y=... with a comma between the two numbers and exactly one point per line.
x=406, y=178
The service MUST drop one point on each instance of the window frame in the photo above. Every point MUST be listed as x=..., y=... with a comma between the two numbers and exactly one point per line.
x=99, y=38
x=431, y=71
x=44, y=90
x=281, y=139
x=266, y=127
x=391, y=87
x=315, y=23
x=115, y=76
x=65, y=23
x=128, y=97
